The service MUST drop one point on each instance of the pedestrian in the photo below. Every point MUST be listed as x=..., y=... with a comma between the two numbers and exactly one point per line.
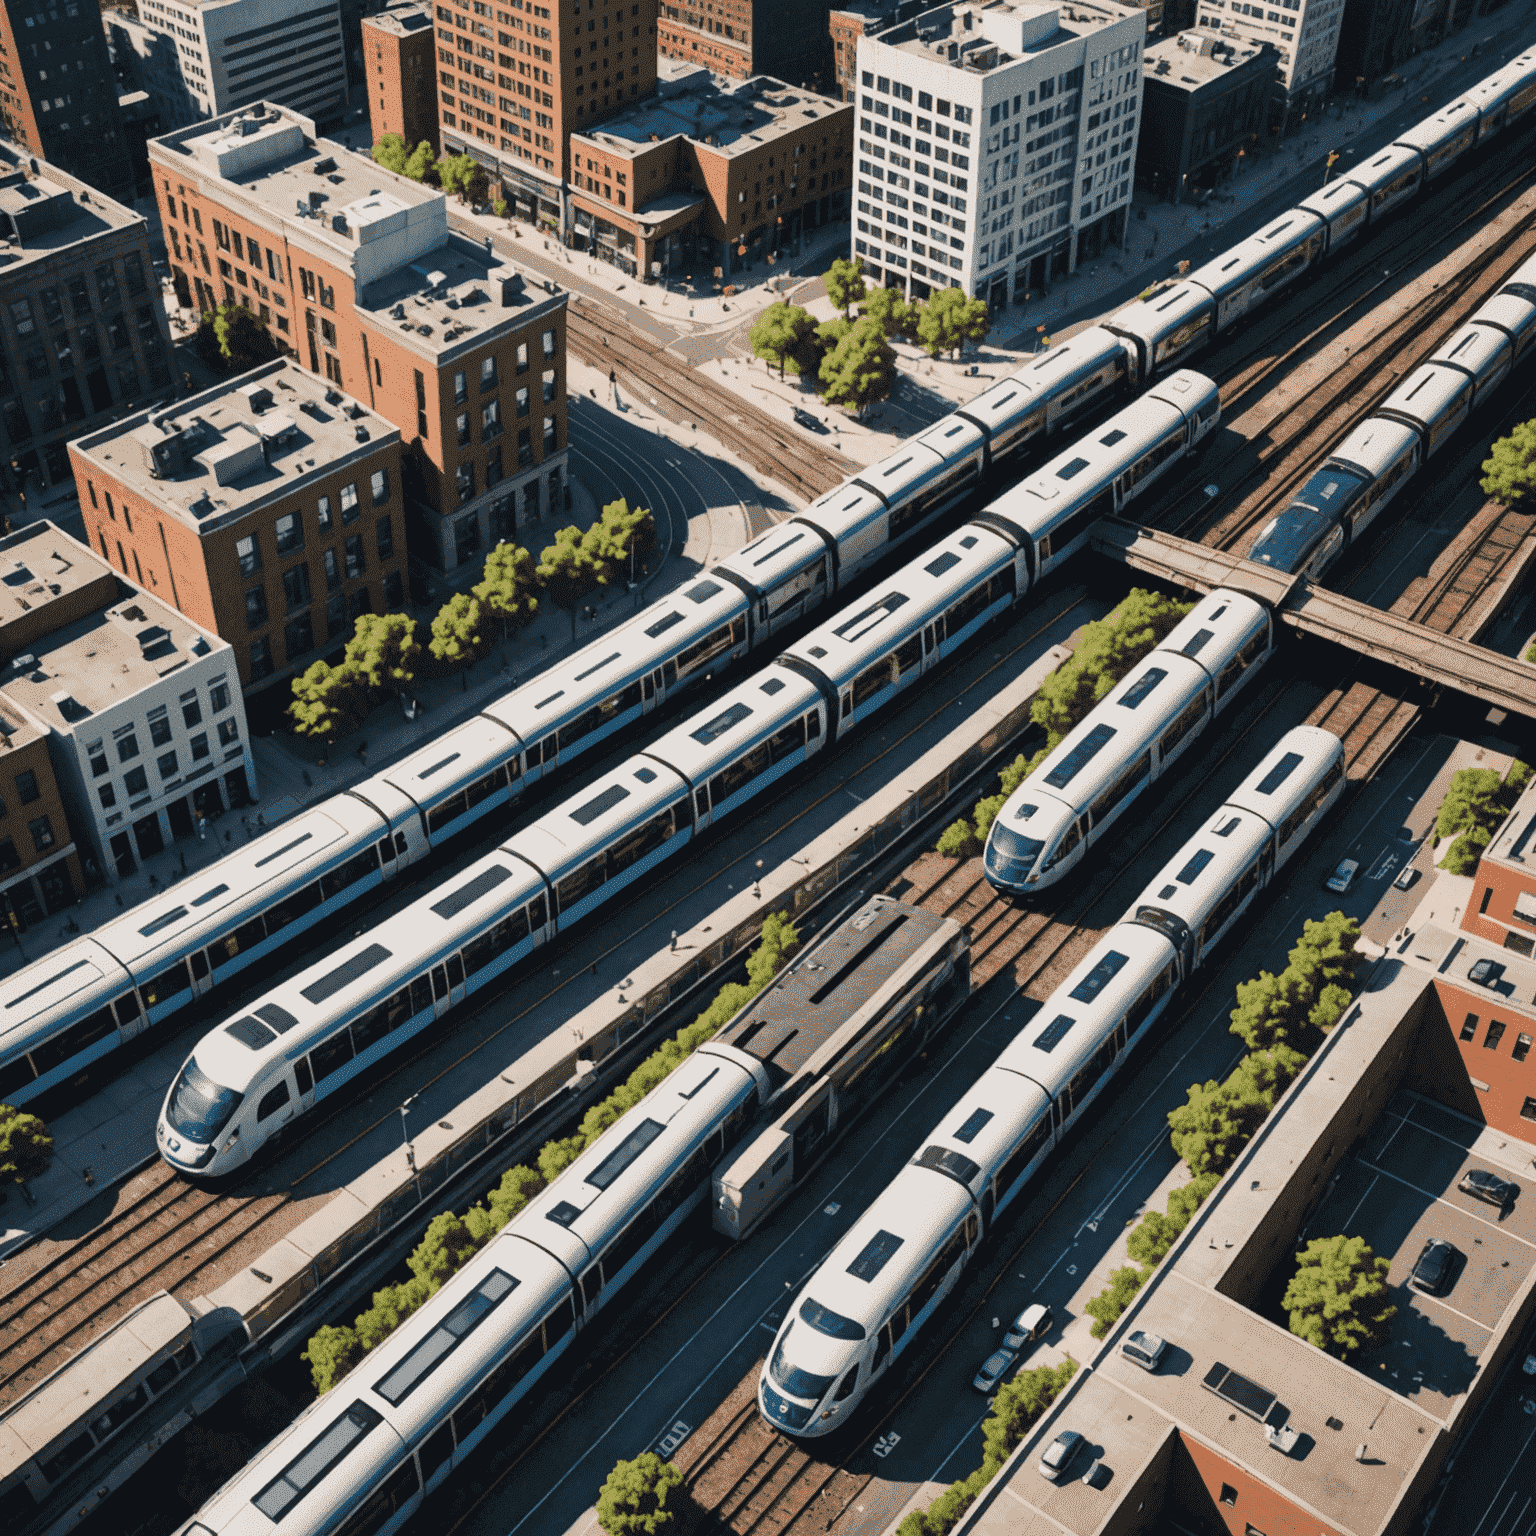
x=362, y=753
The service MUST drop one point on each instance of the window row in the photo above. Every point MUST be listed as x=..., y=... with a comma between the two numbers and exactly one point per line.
x=288, y=531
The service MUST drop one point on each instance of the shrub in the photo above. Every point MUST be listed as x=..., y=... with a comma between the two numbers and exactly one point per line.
x=958, y=840
x=1297, y=1007
x=26, y=1145
x=641, y=1497
x=1336, y=1298
x=1106, y=1307
x=1462, y=857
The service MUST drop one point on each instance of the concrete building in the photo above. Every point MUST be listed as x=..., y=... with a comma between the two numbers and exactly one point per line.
x=58, y=92
x=742, y=38
x=84, y=335
x=354, y=271
x=40, y=869
x=511, y=88
x=714, y=174
x=201, y=58
x=1203, y=97
x=399, y=64
x=995, y=143
x=1305, y=33
x=268, y=509
x=146, y=725
x=1375, y=36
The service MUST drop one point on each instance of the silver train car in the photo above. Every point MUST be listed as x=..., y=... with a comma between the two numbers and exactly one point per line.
x=864, y=1304
x=1378, y=458
x=254, y=1075
x=1127, y=742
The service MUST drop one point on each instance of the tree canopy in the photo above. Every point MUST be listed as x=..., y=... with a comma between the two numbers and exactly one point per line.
x=1337, y=1297
x=26, y=1145
x=895, y=315
x=1509, y=471
x=641, y=1497
x=844, y=282
x=328, y=702
x=506, y=587
x=950, y=318
x=861, y=368
x=384, y=651
x=784, y=336
x=460, y=634
x=231, y=340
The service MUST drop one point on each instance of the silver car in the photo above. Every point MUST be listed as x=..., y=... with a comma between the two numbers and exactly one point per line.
x=992, y=1369
x=1059, y=1454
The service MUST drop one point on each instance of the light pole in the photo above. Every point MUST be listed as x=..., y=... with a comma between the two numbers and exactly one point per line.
x=410, y=1151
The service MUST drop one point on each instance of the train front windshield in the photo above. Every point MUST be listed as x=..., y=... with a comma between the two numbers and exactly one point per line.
x=199, y=1107
x=798, y=1383
x=1011, y=856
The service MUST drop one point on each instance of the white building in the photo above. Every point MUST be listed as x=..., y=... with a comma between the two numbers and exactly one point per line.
x=200, y=58
x=995, y=143
x=1305, y=33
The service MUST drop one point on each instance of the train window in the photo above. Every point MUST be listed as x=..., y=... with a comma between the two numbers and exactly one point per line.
x=272, y=1101
x=591, y=1284
x=1191, y=716
x=559, y=1323
x=445, y=1338
x=78, y=1037
x=358, y=867
x=421, y=994
x=437, y=1449
x=786, y=742
x=168, y=983
x=712, y=730
x=71, y=1455
x=401, y=1487
x=882, y=1348
x=399, y=1006
x=224, y=950
x=1229, y=903
x=909, y=657
x=1122, y=787
x=581, y=882
x=331, y=1055
x=703, y=651
x=302, y=1075
x=455, y=971
x=482, y=789
x=128, y=1011
x=1083, y=753
x=636, y=845
x=946, y=1160
x=871, y=681
x=199, y=963
x=975, y=602
x=1074, y=527
x=813, y=725
x=846, y=1385
x=1024, y=1154
x=105, y=1425
x=875, y=1255
x=445, y=813
x=1143, y=686
x=1158, y=455
x=1185, y=336
x=742, y=771
x=168, y=1370
x=307, y=1469
x=15, y=1074
x=370, y=1028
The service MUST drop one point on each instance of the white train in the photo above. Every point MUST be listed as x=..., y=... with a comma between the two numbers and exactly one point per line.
x=865, y=1302
x=253, y=1075
x=1375, y=461
x=1129, y=740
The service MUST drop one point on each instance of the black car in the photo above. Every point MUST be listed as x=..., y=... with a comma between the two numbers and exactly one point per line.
x=1486, y=973
x=1488, y=1186
x=1437, y=1263
x=809, y=422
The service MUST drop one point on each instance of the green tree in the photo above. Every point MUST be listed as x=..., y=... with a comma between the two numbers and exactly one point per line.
x=444, y=1247
x=456, y=174
x=506, y=588
x=26, y=1145
x=948, y=319
x=1297, y=1007
x=861, y=368
x=1475, y=797
x=619, y=542
x=887, y=306
x=460, y=635
x=391, y=153
x=517, y=1187
x=392, y=1304
x=1018, y=1404
x=1509, y=471
x=844, y=282
x=1213, y=1125
x=328, y=702
x=1337, y=1297
x=565, y=570
x=420, y=163
x=332, y=1351
x=383, y=651
x=1106, y=1307
x=641, y=1497
x=784, y=335
x=230, y=340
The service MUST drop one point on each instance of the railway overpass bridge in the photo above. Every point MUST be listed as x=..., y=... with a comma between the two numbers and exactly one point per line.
x=1441, y=660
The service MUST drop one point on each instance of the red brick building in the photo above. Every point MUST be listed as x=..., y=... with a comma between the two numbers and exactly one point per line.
x=400, y=65
x=742, y=38
x=355, y=273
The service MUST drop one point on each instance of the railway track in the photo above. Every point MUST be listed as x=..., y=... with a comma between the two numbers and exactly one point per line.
x=640, y=364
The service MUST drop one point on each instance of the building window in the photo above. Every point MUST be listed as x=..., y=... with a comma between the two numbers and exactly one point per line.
x=289, y=533
x=549, y=343
x=522, y=402
x=490, y=421
x=1494, y=1035
x=97, y=754
x=493, y=466
x=324, y=518
x=487, y=374
x=1228, y=1494
x=10, y=859
x=191, y=710
x=385, y=529
x=26, y=787
x=299, y=636
x=296, y=592
x=1522, y=1047
x=466, y=538
x=79, y=297
x=460, y=388
x=21, y=317
x=332, y=570
x=465, y=481
x=218, y=695
x=229, y=730
x=159, y=726
x=379, y=484
x=1528, y=1110
x=249, y=555
x=336, y=616
x=421, y=404
x=127, y=744
x=550, y=436
x=333, y=368
x=354, y=557
x=166, y=763
x=522, y=357
x=199, y=746
x=261, y=665
x=255, y=608
x=136, y=782
x=108, y=796
x=463, y=429
x=1469, y=1026
x=524, y=447
x=349, y=503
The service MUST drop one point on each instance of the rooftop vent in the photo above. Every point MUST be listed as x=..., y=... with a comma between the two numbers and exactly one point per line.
x=324, y=167
x=23, y=663
x=316, y=199
x=361, y=434
x=1162, y=66
x=332, y=397
x=257, y=396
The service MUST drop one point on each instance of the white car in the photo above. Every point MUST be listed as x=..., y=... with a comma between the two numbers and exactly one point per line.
x=1031, y=1324
x=992, y=1369
x=1058, y=1455
x=1342, y=877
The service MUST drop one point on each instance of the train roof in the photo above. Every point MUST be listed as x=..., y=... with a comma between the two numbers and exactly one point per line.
x=825, y=989
x=1475, y=348
x=1243, y=261
x=1439, y=128
x=984, y=1125
x=1375, y=445
x=846, y=509
x=1524, y=275
x=1513, y=313
x=592, y=1201
x=205, y=906
x=915, y=461
x=1073, y=1022
x=1426, y=394
x=1153, y=318
x=1195, y=879
x=750, y=713
x=622, y=656
x=77, y=1388
x=1286, y=540
x=76, y=978
x=777, y=555
x=1274, y=789
x=1493, y=91
x=1338, y=197
x=841, y=648
x=590, y=820
x=469, y=751
x=1000, y=403
x=1384, y=167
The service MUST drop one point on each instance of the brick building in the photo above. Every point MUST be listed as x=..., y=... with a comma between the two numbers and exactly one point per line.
x=399, y=61
x=83, y=334
x=58, y=92
x=712, y=173
x=513, y=84
x=355, y=271
x=40, y=871
x=846, y=24
x=145, y=723
x=268, y=509
x=742, y=38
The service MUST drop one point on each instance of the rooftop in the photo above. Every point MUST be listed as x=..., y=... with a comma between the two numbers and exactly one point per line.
x=1515, y=841
x=40, y=568
x=1196, y=58
x=402, y=19
x=214, y=458
x=730, y=117
x=44, y=211
x=984, y=37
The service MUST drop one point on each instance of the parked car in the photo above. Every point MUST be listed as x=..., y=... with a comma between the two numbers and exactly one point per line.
x=1059, y=1454
x=1486, y=973
x=1144, y=1349
x=992, y=1369
x=809, y=422
x=1032, y=1323
x=1408, y=878
x=1343, y=876
x=1435, y=1267
x=1483, y=1185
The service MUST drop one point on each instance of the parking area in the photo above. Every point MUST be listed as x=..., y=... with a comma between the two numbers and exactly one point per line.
x=1400, y=1192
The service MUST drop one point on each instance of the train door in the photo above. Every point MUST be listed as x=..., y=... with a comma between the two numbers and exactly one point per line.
x=810, y=1126
x=701, y=808
x=650, y=687
x=930, y=646
x=447, y=986
x=305, y=1079
x=201, y=972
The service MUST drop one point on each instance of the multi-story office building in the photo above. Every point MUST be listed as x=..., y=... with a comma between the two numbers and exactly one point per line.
x=146, y=724
x=200, y=58
x=515, y=78
x=58, y=92
x=83, y=335
x=399, y=63
x=743, y=38
x=713, y=174
x=1204, y=97
x=268, y=509
x=356, y=272
x=1305, y=33
x=995, y=143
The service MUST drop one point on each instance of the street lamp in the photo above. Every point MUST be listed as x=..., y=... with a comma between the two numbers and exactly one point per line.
x=410, y=1151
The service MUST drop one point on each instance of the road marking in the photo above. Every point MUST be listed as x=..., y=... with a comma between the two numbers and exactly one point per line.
x=673, y=1438
x=1361, y=1201
x=1499, y=1491
x=886, y=1444
x=1441, y=1200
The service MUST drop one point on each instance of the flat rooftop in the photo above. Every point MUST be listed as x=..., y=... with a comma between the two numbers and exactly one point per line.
x=980, y=38
x=402, y=20
x=727, y=117
x=212, y=459
x=42, y=215
x=41, y=567
x=1451, y=956
x=1515, y=841
x=1197, y=58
